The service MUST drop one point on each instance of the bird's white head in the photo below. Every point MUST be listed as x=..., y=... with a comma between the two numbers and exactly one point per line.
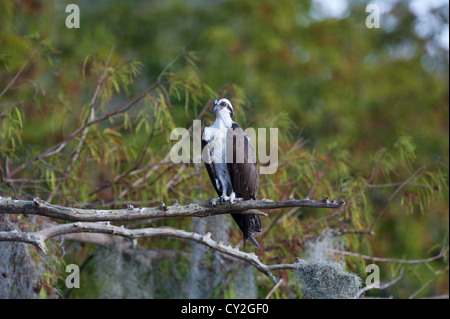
x=224, y=110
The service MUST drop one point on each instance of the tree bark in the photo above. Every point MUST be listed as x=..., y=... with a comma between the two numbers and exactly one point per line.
x=202, y=209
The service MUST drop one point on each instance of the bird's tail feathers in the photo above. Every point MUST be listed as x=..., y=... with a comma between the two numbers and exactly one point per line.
x=250, y=225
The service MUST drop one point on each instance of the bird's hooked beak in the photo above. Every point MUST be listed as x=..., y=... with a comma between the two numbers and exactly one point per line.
x=216, y=107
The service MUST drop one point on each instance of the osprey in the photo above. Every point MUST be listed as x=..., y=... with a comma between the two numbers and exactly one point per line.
x=231, y=164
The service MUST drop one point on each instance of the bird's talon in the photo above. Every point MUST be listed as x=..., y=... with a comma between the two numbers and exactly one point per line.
x=213, y=202
x=235, y=200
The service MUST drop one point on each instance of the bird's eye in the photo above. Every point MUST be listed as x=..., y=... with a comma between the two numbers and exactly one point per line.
x=223, y=104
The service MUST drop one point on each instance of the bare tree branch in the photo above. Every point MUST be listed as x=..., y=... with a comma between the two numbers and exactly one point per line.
x=396, y=260
x=274, y=288
x=204, y=209
x=38, y=239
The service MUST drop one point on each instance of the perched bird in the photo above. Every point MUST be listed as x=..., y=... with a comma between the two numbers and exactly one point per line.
x=231, y=164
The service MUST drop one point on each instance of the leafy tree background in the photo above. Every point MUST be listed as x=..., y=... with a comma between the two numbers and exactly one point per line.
x=362, y=115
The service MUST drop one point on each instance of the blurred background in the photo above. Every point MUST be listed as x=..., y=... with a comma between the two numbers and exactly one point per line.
x=362, y=115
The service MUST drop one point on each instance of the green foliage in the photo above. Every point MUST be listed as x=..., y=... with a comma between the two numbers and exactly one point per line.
x=11, y=126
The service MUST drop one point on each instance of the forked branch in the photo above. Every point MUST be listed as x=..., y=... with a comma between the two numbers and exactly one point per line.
x=40, y=237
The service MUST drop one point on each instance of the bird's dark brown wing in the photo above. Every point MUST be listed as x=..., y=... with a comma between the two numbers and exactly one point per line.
x=244, y=178
x=243, y=170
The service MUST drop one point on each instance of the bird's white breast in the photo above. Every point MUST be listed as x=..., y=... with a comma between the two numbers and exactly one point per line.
x=217, y=143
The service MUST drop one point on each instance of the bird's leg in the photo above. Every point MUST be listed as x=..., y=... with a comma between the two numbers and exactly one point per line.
x=233, y=199
x=224, y=198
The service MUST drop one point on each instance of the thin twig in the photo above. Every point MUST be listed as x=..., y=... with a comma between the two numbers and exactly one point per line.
x=274, y=288
x=397, y=190
x=102, y=77
x=396, y=260
x=422, y=288
x=383, y=286
x=19, y=72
